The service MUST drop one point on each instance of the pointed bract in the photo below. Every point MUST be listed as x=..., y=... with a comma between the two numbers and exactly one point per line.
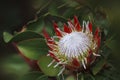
x=96, y=34
x=90, y=26
x=76, y=20
x=58, y=33
x=77, y=24
x=67, y=29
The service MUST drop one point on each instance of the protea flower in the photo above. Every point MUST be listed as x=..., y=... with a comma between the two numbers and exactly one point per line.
x=75, y=46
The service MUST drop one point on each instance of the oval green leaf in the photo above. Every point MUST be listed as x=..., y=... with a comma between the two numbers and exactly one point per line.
x=7, y=36
x=71, y=77
x=33, y=48
x=43, y=63
x=25, y=36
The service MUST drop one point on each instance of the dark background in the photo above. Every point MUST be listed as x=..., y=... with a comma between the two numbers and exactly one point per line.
x=13, y=15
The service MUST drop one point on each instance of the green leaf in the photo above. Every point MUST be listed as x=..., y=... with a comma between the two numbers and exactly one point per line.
x=53, y=9
x=35, y=75
x=82, y=77
x=98, y=66
x=70, y=78
x=43, y=77
x=14, y=65
x=25, y=36
x=20, y=36
x=71, y=3
x=85, y=76
x=113, y=45
x=36, y=26
x=40, y=4
x=69, y=12
x=33, y=48
x=43, y=63
x=7, y=36
x=49, y=28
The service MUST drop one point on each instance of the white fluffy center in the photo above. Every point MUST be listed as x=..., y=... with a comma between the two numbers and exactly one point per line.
x=74, y=44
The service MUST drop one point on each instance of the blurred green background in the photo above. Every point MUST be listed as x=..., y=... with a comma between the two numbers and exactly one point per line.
x=14, y=14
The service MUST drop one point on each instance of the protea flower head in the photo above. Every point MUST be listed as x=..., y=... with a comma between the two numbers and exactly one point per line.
x=75, y=46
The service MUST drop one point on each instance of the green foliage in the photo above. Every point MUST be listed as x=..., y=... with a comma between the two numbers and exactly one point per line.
x=36, y=26
x=35, y=75
x=33, y=48
x=43, y=63
x=20, y=36
x=7, y=37
x=71, y=78
x=98, y=66
x=15, y=66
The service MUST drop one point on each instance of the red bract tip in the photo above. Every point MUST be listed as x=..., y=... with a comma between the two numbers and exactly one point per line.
x=78, y=27
x=58, y=33
x=77, y=24
x=76, y=20
x=97, y=37
x=90, y=26
x=96, y=33
x=47, y=37
x=67, y=29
